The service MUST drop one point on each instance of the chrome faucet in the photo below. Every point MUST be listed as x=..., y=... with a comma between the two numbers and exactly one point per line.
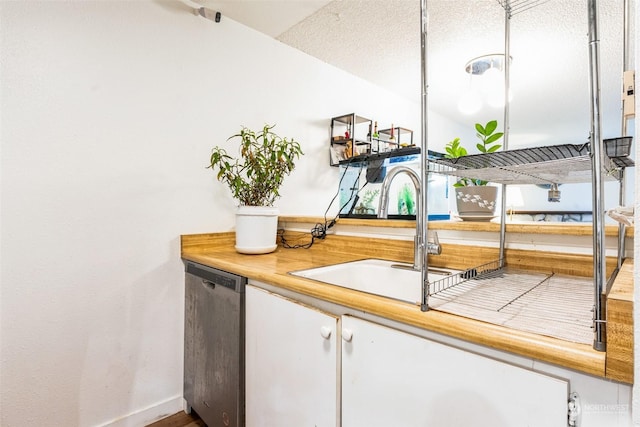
x=434, y=247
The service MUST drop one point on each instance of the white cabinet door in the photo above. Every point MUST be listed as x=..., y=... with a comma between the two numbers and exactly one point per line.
x=292, y=362
x=391, y=378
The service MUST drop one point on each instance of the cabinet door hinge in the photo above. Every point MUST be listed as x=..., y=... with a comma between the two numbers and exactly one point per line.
x=573, y=410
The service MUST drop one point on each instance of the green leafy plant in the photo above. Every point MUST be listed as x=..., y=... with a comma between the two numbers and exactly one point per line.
x=488, y=144
x=488, y=139
x=255, y=177
x=455, y=149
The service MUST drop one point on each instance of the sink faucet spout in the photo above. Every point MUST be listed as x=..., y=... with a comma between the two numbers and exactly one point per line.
x=383, y=208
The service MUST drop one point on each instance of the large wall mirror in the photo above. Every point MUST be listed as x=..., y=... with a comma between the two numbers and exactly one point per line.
x=549, y=84
x=379, y=41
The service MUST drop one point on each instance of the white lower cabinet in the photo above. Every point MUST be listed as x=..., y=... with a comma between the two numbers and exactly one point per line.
x=392, y=378
x=292, y=363
x=306, y=367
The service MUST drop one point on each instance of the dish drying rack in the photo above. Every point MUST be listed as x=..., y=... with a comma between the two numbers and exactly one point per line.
x=485, y=271
x=541, y=165
x=461, y=293
x=553, y=164
x=515, y=298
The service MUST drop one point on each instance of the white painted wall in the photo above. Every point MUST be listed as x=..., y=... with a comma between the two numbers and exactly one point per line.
x=109, y=112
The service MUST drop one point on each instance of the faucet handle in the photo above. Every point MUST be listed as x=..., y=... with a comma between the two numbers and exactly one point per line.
x=433, y=247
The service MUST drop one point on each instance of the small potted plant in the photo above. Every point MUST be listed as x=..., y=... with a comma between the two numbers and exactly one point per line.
x=475, y=200
x=254, y=179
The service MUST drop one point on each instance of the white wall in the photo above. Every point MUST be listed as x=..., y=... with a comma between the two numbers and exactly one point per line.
x=109, y=112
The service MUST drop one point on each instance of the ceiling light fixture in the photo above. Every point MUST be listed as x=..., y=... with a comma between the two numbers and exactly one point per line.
x=478, y=66
x=487, y=71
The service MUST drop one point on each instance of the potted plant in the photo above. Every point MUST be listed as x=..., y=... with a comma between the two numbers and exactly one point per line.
x=254, y=179
x=475, y=200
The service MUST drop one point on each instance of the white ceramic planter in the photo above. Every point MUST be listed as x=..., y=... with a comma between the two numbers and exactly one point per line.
x=256, y=229
x=476, y=203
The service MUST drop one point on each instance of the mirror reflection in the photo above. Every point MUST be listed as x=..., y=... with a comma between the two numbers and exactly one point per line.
x=549, y=90
x=549, y=66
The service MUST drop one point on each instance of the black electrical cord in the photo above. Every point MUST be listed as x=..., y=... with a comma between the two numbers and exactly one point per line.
x=319, y=231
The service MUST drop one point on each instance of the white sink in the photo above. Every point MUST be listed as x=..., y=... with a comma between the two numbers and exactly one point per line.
x=375, y=276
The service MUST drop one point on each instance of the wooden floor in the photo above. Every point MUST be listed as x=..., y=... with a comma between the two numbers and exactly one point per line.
x=181, y=419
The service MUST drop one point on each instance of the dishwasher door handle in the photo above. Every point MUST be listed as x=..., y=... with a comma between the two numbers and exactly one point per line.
x=217, y=277
x=208, y=284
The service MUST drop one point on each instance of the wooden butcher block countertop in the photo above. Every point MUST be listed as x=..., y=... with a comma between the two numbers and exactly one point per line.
x=217, y=250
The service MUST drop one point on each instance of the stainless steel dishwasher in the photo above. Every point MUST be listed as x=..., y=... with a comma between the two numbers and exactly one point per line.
x=214, y=345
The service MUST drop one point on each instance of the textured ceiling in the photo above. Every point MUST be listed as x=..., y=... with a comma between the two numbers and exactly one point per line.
x=379, y=40
x=271, y=17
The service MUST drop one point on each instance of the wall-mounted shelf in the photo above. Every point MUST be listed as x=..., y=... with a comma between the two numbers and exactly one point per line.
x=350, y=138
x=540, y=165
x=392, y=139
x=353, y=139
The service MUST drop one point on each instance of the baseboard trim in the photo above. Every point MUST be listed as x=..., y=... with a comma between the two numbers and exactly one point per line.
x=148, y=415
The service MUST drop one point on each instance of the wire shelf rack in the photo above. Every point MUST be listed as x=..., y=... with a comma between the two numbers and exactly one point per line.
x=516, y=298
x=513, y=7
x=565, y=163
x=485, y=271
